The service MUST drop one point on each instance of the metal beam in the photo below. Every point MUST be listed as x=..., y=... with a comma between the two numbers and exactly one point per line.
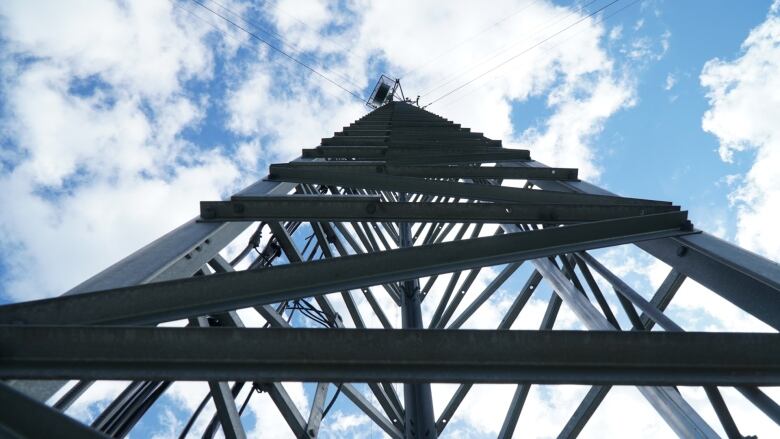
x=419, y=421
x=365, y=406
x=663, y=296
x=276, y=390
x=294, y=256
x=223, y=397
x=677, y=413
x=437, y=171
x=226, y=410
x=358, y=208
x=455, y=189
x=172, y=300
x=179, y=253
x=623, y=289
x=22, y=417
x=433, y=155
x=452, y=407
x=745, y=279
x=722, y=411
x=284, y=404
x=584, y=412
x=317, y=405
x=489, y=290
x=249, y=354
x=739, y=276
x=521, y=392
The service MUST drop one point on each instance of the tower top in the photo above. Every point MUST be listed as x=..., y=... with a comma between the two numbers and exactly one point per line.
x=384, y=92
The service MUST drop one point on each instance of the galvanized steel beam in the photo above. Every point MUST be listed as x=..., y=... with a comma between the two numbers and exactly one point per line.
x=165, y=301
x=253, y=354
x=366, y=208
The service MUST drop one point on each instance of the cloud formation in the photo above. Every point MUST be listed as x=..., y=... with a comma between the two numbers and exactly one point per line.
x=106, y=128
x=744, y=97
x=94, y=161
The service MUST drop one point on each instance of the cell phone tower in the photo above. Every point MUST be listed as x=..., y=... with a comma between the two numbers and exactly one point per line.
x=400, y=208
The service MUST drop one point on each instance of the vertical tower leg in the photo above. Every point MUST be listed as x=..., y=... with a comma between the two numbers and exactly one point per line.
x=418, y=402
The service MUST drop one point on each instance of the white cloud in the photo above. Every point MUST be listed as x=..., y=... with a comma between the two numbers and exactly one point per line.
x=171, y=424
x=670, y=82
x=665, y=38
x=268, y=420
x=573, y=70
x=94, y=111
x=616, y=32
x=744, y=97
x=124, y=137
x=292, y=115
x=118, y=144
x=341, y=422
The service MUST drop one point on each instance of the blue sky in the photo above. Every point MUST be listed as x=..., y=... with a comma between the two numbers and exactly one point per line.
x=116, y=118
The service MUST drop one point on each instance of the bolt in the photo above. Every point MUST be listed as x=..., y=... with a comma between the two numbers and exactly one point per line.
x=682, y=251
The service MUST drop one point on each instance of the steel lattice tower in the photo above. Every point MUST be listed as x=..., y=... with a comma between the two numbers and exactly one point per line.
x=377, y=214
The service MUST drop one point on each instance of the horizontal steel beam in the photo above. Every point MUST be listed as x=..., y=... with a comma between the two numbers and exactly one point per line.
x=434, y=171
x=360, y=355
x=745, y=279
x=424, y=155
x=357, y=208
x=452, y=189
x=171, y=300
x=408, y=142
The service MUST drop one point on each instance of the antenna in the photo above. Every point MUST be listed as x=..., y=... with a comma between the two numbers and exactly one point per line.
x=383, y=92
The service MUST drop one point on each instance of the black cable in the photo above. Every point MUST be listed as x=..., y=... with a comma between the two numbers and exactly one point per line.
x=521, y=53
x=332, y=401
x=281, y=39
x=599, y=20
x=313, y=316
x=504, y=49
x=292, y=58
x=467, y=39
x=246, y=401
x=292, y=313
x=312, y=312
x=308, y=242
x=194, y=416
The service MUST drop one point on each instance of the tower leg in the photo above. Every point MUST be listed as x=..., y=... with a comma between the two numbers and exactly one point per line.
x=418, y=402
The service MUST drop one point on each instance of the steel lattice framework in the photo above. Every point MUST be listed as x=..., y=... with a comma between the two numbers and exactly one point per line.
x=394, y=202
